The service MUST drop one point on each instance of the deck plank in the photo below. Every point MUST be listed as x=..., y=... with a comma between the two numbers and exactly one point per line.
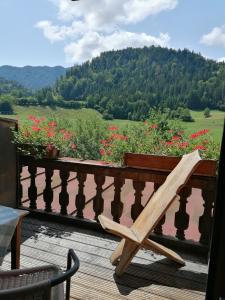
x=149, y=276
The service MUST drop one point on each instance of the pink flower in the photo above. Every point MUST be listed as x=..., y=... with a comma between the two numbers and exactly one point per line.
x=73, y=146
x=36, y=121
x=50, y=147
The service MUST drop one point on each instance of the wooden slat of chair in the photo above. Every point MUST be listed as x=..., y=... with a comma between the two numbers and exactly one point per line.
x=137, y=236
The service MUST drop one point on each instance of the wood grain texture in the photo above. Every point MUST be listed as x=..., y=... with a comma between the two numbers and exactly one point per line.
x=148, y=277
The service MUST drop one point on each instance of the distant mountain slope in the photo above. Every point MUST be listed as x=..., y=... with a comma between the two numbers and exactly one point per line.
x=126, y=83
x=33, y=78
x=11, y=88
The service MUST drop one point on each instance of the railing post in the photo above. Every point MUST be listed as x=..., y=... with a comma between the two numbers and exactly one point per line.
x=181, y=216
x=80, y=198
x=98, y=203
x=117, y=204
x=32, y=190
x=63, y=195
x=20, y=186
x=48, y=192
x=205, y=221
x=158, y=229
x=137, y=207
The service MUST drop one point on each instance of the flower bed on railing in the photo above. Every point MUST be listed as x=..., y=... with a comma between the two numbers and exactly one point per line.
x=94, y=139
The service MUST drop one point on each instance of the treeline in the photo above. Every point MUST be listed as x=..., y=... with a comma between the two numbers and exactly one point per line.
x=10, y=92
x=125, y=84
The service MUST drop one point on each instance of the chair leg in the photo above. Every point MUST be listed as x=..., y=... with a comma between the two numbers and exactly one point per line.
x=151, y=245
x=117, y=253
x=129, y=250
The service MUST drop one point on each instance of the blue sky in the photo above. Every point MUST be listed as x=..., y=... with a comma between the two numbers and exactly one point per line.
x=62, y=32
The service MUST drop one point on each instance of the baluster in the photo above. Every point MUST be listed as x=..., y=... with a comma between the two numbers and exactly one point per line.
x=137, y=207
x=32, y=190
x=20, y=187
x=158, y=229
x=181, y=216
x=48, y=192
x=98, y=202
x=63, y=195
x=80, y=198
x=205, y=221
x=117, y=204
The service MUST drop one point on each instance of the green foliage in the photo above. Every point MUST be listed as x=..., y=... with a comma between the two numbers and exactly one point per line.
x=127, y=83
x=207, y=113
x=36, y=135
x=6, y=107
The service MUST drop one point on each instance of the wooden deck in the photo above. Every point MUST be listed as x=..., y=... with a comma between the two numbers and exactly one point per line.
x=150, y=276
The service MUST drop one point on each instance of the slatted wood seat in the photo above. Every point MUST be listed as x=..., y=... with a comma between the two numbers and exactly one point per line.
x=136, y=236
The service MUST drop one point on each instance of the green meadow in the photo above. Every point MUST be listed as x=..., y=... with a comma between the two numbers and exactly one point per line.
x=213, y=123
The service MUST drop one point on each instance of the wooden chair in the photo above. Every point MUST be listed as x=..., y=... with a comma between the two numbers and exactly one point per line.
x=136, y=236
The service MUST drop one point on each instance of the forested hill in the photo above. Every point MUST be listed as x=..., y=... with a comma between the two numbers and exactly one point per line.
x=9, y=90
x=126, y=83
x=32, y=77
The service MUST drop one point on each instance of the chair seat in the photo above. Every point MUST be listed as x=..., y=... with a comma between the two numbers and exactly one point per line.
x=13, y=281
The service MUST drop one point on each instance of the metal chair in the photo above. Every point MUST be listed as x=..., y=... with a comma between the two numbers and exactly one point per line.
x=38, y=283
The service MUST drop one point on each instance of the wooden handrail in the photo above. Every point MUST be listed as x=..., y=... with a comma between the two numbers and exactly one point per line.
x=204, y=178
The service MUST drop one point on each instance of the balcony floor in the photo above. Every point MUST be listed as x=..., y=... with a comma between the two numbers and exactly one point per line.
x=150, y=276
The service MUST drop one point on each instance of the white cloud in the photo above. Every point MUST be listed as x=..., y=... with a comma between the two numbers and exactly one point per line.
x=91, y=27
x=56, y=33
x=221, y=59
x=216, y=37
x=105, y=12
x=93, y=43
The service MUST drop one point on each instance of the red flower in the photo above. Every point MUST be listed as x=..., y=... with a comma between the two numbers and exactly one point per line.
x=102, y=152
x=104, y=142
x=183, y=145
x=52, y=124
x=30, y=117
x=199, y=147
x=36, y=121
x=154, y=126
x=176, y=138
x=35, y=128
x=112, y=128
x=198, y=133
x=119, y=137
x=169, y=143
x=50, y=134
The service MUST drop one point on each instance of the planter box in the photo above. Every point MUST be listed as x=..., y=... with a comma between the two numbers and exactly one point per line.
x=206, y=167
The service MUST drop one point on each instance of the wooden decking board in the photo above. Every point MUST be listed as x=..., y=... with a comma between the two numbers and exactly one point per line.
x=104, y=243
x=102, y=260
x=149, y=277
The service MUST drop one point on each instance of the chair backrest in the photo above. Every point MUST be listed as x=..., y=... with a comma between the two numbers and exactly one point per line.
x=8, y=164
x=165, y=195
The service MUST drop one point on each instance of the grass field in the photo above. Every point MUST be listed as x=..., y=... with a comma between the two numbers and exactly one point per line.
x=214, y=123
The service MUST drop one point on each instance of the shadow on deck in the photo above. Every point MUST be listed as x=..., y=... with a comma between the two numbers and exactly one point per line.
x=150, y=276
